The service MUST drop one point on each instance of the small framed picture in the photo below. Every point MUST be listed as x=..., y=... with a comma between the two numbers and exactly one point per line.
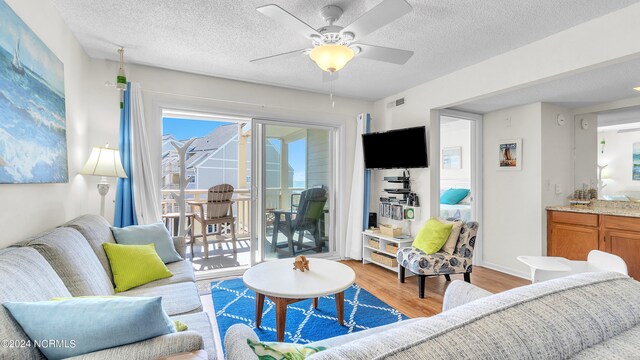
x=451, y=158
x=510, y=155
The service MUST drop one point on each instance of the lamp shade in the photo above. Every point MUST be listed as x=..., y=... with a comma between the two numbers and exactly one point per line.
x=331, y=57
x=104, y=161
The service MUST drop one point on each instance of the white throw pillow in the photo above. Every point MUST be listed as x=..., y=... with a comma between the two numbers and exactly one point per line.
x=450, y=246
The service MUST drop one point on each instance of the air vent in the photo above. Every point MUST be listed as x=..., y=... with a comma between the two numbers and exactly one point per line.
x=395, y=103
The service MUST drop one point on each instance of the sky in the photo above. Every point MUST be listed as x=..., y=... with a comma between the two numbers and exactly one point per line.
x=183, y=129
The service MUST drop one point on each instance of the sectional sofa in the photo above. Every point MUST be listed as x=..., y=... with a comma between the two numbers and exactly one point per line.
x=70, y=261
x=587, y=316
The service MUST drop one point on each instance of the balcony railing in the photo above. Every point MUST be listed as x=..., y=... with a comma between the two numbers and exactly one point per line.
x=276, y=198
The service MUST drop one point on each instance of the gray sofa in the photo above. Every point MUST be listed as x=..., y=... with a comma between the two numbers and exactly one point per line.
x=69, y=261
x=585, y=316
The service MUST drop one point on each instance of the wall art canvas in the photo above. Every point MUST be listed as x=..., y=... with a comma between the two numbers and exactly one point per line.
x=636, y=161
x=33, y=137
x=510, y=154
x=451, y=158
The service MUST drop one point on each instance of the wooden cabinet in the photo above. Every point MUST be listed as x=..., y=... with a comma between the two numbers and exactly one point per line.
x=574, y=235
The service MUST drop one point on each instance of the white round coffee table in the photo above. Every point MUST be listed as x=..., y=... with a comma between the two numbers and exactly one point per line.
x=279, y=282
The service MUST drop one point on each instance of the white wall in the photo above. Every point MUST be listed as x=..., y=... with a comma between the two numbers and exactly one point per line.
x=513, y=200
x=586, y=148
x=618, y=154
x=179, y=90
x=456, y=134
x=557, y=161
x=31, y=208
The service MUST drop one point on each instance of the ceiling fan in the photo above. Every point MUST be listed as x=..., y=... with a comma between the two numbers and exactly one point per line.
x=334, y=46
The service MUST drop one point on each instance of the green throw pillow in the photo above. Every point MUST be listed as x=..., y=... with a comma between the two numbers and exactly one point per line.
x=282, y=351
x=180, y=326
x=134, y=265
x=432, y=236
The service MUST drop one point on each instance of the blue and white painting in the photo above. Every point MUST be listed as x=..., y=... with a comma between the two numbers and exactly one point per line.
x=33, y=138
x=636, y=161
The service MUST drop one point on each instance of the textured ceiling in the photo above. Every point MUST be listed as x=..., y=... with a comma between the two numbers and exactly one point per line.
x=606, y=84
x=220, y=37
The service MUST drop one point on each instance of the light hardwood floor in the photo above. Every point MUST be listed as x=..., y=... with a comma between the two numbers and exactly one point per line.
x=384, y=284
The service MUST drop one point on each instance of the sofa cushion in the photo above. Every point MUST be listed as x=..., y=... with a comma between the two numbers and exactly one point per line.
x=25, y=276
x=156, y=234
x=200, y=323
x=85, y=325
x=73, y=259
x=182, y=298
x=182, y=272
x=623, y=346
x=555, y=319
x=97, y=231
x=135, y=265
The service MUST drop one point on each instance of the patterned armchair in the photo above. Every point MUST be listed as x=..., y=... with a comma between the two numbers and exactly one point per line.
x=440, y=263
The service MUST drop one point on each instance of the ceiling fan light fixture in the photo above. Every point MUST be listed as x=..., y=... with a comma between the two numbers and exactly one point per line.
x=331, y=57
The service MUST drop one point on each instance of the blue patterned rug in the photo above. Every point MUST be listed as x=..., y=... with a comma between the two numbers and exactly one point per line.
x=235, y=304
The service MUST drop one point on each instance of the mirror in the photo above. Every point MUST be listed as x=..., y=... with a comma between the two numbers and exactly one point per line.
x=607, y=153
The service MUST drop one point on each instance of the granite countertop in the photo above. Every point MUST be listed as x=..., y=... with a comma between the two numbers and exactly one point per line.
x=599, y=210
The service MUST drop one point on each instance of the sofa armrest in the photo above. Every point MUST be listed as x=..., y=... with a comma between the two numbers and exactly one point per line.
x=235, y=342
x=460, y=293
x=156, y=347
x=181, y=246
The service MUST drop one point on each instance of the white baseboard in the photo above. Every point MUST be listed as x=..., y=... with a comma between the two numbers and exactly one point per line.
x=506, y=270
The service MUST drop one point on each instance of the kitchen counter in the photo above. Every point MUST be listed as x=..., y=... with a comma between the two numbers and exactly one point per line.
x=627, y=211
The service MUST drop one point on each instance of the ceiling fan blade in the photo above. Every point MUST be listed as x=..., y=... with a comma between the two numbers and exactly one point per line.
x=382, y=14
x=287, y=19
x=283, y=55
x=328, y=77
x=381, y=53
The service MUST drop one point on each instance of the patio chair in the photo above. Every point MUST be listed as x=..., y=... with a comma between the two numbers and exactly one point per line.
x=440, y=263
x=307, y=218
x=219, y=211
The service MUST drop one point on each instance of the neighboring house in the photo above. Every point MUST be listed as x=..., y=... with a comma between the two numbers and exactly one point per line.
x=213, y=159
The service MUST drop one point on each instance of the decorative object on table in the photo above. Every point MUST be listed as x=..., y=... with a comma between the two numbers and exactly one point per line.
x=182, y=148
x=636, y=161
x=219, y=212
x=451, y=158
x=510, y=154
x=104, y=162
x=422, y=264
x=582, y=197
x=33, y=136
x=301, y=263
x=236, y=304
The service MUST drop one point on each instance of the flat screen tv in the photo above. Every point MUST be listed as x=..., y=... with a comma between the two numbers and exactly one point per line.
x=396, y=149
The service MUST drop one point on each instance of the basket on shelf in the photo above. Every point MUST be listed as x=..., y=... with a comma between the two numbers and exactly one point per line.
x=390, y=231
x=384, y=259
x=392, y=248
x=374, y=243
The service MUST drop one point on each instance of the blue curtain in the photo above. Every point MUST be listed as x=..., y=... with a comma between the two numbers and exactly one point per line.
x=125, y=211
x=367, y=180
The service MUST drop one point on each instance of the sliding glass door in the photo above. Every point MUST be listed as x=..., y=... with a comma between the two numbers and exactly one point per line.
x=293, y=190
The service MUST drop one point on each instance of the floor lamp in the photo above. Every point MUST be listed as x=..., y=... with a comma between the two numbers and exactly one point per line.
x=104, y=162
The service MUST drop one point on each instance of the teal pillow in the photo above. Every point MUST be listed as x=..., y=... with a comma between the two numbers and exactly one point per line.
x=453, y=196
x=80, y=326
x=156, y=234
